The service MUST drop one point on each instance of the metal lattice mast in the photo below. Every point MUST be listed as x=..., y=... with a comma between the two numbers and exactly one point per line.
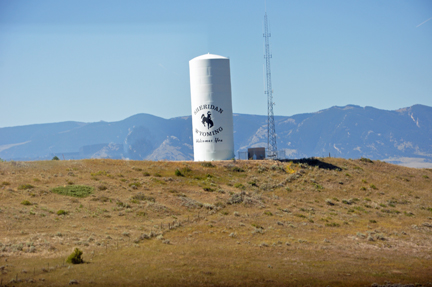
x=271, y=132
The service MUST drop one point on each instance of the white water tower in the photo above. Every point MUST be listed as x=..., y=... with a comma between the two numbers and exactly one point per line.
x=212, y=119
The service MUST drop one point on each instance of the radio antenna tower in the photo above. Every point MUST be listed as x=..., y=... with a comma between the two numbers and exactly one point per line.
x=271, y=132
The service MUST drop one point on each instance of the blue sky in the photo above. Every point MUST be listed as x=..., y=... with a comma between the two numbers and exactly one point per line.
x=88, y=61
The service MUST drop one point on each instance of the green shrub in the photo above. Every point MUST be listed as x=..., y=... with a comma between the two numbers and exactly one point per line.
x=390, y=211
x=4, y=183
x=373, y=186
x=237, y=169
x=364, y=159
x=55, y=158
x=207, y=164
x=75, y=257
x=262, y=169
x=234, y=168
x=74, y=190
x=142, y=196
x=239, y=186
x=25, y=186
x=62, y=212
x=329, y=202
x=178, y=172
x=186, y=169
x=276, y=167
x=26, y=202
x=121, y=204
x=146, y=173
x=101, y=172
x=220, y=204
x=359, y=208
x=268, y=213
x=253, y=183
x=137, y=184
x=317, y=186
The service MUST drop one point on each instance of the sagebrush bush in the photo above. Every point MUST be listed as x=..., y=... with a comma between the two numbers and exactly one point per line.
x=141, y=196
x=239, y=186
x=62, y=212
x=25, y=186
x=364, y=159
x=74, y=190
x=75, y=257
x=329, y=202
x=207, y=164
x=234, y=168
x=137, y=184
x=236, y=198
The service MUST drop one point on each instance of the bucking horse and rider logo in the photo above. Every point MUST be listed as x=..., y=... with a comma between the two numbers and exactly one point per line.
x=207, y=120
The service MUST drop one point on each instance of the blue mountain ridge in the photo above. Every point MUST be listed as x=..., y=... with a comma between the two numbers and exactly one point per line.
x=349, y=131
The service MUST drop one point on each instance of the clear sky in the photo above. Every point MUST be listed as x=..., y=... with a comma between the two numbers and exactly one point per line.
x=95, y=60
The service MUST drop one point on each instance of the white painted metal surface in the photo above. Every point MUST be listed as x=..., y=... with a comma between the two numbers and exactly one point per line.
x=212, y=119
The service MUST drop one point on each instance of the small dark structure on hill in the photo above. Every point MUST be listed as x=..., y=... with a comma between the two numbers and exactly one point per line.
x=256, y=153
x=259, y=153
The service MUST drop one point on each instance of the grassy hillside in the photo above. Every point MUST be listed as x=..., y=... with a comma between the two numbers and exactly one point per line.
x=323, y=222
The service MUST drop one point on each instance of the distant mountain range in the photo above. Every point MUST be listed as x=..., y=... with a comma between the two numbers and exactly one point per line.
x=402, y=136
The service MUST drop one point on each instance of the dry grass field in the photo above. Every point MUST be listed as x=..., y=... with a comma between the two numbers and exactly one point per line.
x=324, y=222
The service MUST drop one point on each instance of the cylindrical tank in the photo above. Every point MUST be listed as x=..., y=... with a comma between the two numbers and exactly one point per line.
x=212, y=119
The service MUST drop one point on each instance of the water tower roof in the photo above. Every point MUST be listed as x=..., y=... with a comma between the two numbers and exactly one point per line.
x=208, y=56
